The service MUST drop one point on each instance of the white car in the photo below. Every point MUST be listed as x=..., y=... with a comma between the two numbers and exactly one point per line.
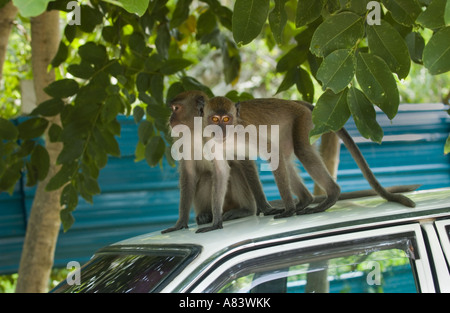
x=362, y=245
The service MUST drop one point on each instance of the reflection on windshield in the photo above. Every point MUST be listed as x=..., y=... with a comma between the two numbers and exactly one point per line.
x=131, y=269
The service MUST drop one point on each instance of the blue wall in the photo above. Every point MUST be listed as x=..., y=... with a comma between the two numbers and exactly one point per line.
x=137, y=199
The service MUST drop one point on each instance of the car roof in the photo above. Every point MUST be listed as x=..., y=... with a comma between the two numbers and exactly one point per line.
x=344, y=215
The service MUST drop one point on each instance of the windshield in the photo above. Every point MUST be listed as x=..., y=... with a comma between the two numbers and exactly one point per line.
x=131, y=269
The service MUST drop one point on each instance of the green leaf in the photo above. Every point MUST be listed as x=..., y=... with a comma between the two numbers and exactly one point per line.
x=157, y=87
x=62, y=88
x=98, y=153
x=70, y=31
x=139, y=152
x=71, y=151
x=133, y=6
x=10, y=176
x=31, y=174
x=378, y=83
x=89, y=18
x=40, y=160
x=364, y=115
x=289, y=79
x=91, y=185
x=305, y=85
x=162, y=41
x=340, y=31
x=181, y=13
x=337, y=70
x=50, y=107
x=190, y=83
x=83, y=70
x=61, y=55
x=433, y=16
x=249, y=17
x=29, y=8
x=107, y=142
x=436, y=55
x=67, y=219
x=172, y=66
x=111, y=108
x=93, y=53
x=32, y=128
x=308, y=11
x=447, y=145
x=138, y=114
x=7, y=130
x=136, y=41
x=447, y=13
x=145, y=131
x=330, y=114
x=404, y=12
x=54, y=132
x=357, y=6
x=294, y=57
x=69, y=197
x=143, y=82
x=64, y=175
x=154, y=150
x=206, y=24
x=416, y=44
x=387, y=43
x=278, y=20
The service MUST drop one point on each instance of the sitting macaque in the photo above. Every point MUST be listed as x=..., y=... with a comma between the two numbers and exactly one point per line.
x=243, y=190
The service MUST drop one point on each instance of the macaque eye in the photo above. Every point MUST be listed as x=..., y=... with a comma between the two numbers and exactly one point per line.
x=215, y=119
x=226, y=119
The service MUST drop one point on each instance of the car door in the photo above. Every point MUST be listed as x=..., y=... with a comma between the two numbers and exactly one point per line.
x=443, y=230
x=389, y=259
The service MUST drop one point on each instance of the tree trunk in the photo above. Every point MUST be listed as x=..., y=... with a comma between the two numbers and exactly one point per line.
x=7, y=15
x=317, y=279
x=44, y=222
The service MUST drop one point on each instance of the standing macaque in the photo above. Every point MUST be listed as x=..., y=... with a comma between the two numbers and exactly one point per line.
x=293, y=122
x=243, y=194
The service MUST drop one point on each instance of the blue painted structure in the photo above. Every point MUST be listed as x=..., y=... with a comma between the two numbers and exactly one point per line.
x=136, y=199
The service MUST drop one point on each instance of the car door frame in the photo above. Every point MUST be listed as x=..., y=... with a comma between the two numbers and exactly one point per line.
x=422, y=268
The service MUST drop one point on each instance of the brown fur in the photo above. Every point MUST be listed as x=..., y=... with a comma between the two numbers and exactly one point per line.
x=196, y=176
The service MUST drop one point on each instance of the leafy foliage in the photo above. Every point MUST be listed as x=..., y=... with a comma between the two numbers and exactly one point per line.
x=131, y=57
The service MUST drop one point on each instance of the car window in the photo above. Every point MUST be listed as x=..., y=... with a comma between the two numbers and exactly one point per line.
x=379, y=271
x=130, y=269
x=443, y=230
x=386, y=263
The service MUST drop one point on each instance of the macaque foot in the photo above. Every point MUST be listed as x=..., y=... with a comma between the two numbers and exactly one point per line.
x=175, y=228
x=286, y=213
x=209, y=228
x=268, y=209
x=302, y=205
x=321, y=207
x=273, y=211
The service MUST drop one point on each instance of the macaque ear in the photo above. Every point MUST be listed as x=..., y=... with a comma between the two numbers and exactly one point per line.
x=238, y=107
x=200, y=105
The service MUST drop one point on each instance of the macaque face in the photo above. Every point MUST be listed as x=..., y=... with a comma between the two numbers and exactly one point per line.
x=185, y=107
x=221, y=120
